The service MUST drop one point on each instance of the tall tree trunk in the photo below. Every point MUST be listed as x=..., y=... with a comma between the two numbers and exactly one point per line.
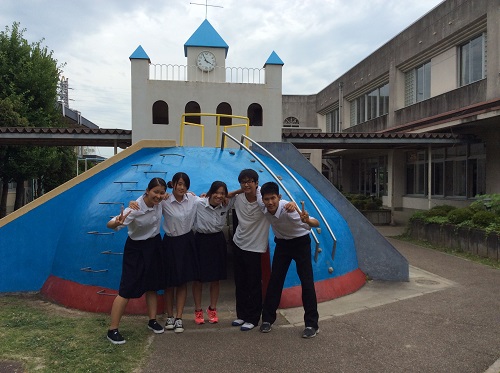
x=39, y=190
x=3, y=200
x=19, y=194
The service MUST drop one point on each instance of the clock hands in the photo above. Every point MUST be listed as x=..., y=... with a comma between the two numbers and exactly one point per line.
x=207, y=61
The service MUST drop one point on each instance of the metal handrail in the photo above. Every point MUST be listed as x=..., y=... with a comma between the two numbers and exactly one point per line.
x=301, y=187
x=246, y=124
x=278, y=181
x=184, y=123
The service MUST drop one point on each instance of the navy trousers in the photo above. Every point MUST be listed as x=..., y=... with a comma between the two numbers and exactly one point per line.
x=298, y=249
x=248, y=283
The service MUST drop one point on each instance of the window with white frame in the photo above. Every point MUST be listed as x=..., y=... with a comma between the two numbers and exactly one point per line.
x=418, y=84
x=332, y=121
x=370, y=105
x=473, y=60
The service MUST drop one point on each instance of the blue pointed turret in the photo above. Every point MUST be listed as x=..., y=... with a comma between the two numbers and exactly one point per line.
x=205, y=36
x=274, y=60
x=139, y=54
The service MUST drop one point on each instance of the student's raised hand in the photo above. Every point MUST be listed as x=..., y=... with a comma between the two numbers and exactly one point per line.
x=304, y=215
x=134, y=205
x=120, y=219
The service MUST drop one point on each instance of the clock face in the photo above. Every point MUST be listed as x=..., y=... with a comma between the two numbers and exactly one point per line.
x=206, y=61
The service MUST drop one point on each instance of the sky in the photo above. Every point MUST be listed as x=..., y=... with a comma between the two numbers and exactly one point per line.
x=92, y=40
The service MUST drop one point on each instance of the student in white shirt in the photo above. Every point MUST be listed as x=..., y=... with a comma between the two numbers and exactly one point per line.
x=140, y=270
x=250, y=242
x=211, y=247
x=291, y=231
x=179, y=249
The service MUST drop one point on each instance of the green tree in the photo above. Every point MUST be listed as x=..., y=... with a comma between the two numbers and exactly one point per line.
x=29, y=77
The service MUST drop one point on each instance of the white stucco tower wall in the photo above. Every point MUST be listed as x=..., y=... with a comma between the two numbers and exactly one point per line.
x=207, y=93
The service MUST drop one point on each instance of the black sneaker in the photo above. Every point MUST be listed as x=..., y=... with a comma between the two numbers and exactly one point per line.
x=310, y=332
x=170, y=323
x=178, y=328
x=155, y=327
x=265, y=327
x=115, y=337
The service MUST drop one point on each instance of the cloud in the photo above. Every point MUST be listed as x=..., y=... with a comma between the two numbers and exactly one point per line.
x=318, y=40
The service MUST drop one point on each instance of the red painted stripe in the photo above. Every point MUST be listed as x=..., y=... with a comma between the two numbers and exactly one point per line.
x=326, y=289
x=86, y=298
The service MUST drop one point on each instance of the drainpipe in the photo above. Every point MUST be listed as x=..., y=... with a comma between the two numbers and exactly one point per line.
x=429, y=176
x=341, y=105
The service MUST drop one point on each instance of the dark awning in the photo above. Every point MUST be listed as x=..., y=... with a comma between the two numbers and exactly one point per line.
x=321, y=140
x=65, y=136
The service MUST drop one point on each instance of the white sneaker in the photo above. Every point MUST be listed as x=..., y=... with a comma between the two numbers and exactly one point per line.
x=178, y=328
x=238, y=322
x=247, y=326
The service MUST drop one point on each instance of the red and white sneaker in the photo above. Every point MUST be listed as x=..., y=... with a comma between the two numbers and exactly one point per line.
x=198, y=317
x=212, y=316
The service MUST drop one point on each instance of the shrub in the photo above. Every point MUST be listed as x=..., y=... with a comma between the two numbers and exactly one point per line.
x=460, y=215
x=488, y=202
x=441, y=210
x=418, y=215
x=483, y=218
x=363, y=202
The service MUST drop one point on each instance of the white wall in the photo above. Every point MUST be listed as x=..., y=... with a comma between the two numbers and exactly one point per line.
x=208, y=95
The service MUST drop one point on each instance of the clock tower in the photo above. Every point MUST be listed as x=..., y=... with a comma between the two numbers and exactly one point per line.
x=206, y=53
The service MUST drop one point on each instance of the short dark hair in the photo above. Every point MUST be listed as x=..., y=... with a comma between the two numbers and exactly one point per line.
x=248, y=173
x=215, y=186
x=269, y=188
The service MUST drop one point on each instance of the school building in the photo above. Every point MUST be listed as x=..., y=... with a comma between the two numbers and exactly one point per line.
x=424, y=111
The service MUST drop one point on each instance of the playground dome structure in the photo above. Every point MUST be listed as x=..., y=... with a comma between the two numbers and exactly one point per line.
x=59, y=244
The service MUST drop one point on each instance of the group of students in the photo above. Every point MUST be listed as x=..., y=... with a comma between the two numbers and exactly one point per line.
x=193, y=236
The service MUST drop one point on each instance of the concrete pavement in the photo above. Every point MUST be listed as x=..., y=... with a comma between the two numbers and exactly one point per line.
x=445, y=319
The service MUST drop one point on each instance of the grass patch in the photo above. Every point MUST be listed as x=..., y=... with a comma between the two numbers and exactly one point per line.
x=462, y=254
x=50, y=338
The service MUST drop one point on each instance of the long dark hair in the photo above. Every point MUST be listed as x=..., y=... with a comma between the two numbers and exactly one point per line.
x=157, y=181
x=215, y=186
x=177, y=177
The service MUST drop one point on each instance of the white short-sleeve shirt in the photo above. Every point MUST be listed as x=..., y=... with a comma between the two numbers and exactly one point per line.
x=178, y=217
x=211, y=219
x=143, y=223
x=252, y=232
x=286, y=225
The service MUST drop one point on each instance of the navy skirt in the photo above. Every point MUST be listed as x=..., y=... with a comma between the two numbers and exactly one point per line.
x=141, y=269
x=179, y=260
x=212, y=256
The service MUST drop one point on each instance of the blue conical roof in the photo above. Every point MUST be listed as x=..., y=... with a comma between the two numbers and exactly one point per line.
x=139, y=54
x=274, y=60
x=205, y=36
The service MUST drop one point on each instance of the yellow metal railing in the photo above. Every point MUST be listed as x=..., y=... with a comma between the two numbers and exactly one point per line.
x=218, y=117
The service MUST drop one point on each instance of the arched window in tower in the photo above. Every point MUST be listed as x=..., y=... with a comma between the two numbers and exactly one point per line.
x=193, y=107
x=225, y=108
x=291, y=122
x=160, y=112
x=254, y=113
